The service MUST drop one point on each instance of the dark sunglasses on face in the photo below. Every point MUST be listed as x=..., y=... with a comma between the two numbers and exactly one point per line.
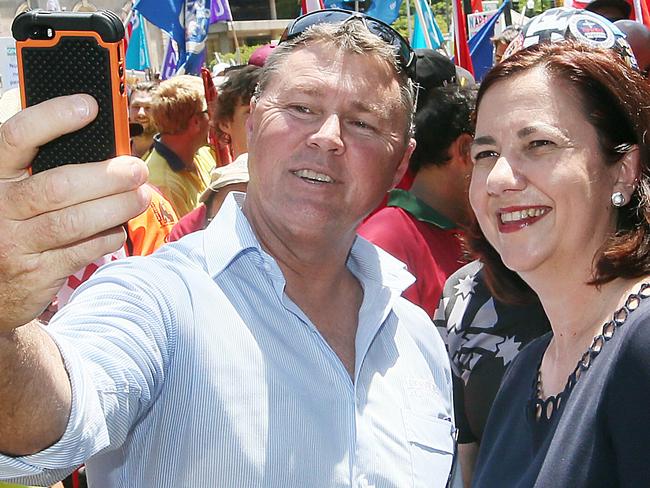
x=386, y=33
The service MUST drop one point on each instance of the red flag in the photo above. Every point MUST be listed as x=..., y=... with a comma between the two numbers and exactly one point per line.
x=477, y=6
x=311, y=5
x=462, y=57
x=223, y=152
x=641, y=11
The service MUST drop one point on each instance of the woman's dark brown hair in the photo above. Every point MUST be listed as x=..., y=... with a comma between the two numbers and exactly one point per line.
x=615, y=99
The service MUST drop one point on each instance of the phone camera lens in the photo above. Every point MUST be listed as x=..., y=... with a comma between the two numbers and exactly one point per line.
x=42, y=32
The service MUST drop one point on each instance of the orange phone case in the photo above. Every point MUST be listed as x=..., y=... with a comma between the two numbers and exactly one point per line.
x=63, y=53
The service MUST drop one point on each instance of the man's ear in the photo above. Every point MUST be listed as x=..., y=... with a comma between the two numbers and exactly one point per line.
x=629, y=169
x=249, y=119
x=403, y=165
x=225, y=127
x=460, y=149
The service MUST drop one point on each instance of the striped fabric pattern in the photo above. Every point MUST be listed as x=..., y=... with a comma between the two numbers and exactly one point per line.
x=191, y=367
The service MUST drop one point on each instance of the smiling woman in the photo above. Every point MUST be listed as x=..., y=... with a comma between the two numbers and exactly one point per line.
x=560, y=192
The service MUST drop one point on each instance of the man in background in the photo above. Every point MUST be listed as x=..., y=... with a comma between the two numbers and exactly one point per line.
x=421, y=226
x=140, y=99
x=180, y=165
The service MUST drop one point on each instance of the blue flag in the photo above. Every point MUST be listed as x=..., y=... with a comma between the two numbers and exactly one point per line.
x=481, y=48
x=344, y=4
x=197, y=22
x=418, y=40
x=137, y=54
x=386, y=10
x=187, y=23
x=168, y=68
x=166, y=14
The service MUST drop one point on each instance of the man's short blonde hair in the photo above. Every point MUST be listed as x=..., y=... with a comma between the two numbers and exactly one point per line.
x=176, y=101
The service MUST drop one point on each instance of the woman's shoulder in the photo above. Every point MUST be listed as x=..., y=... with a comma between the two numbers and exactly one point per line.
x=635, y=336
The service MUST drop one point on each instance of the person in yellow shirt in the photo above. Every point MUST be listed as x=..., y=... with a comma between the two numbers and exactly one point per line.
x=179, y=165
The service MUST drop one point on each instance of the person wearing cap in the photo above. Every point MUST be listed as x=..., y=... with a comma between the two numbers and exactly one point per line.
x=259, y=55
x=421, y=226
x=180, y=163
x=434, y=69
x=271, y=349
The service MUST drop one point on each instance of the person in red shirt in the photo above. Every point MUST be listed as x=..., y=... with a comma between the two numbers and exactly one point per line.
x=421, y=226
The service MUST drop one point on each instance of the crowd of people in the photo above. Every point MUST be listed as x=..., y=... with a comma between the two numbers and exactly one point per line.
x=379, y=273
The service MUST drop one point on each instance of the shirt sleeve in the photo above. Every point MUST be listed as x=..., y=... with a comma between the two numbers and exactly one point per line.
x=465, y=435
x=116, y=340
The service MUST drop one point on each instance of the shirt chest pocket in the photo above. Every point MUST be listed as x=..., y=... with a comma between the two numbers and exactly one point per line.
x=431, y=443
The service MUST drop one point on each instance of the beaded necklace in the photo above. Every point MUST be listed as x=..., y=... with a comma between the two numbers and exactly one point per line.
x=545, y=408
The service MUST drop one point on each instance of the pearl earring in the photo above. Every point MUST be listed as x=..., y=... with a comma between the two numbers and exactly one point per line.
x=618, y=199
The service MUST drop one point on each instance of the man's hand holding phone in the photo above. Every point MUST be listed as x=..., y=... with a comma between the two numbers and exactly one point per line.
x=55, y=222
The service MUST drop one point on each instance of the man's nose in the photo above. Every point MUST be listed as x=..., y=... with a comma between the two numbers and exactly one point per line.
x=328, y=136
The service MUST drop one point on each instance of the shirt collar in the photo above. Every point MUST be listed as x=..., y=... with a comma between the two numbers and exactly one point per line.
x=418, y=209
x=175, y=163
x=223, y=242
x=228, y=235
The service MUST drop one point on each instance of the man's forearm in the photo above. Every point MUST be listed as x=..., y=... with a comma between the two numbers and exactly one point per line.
x=35, y=393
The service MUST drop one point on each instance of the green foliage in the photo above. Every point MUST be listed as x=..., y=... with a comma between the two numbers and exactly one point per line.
x=232, y=58
x=441, y=10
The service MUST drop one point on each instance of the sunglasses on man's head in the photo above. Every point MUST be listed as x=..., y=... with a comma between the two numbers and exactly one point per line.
x=385, y=32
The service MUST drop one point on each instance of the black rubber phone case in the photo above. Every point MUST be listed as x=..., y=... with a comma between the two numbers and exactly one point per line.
x=76, y=64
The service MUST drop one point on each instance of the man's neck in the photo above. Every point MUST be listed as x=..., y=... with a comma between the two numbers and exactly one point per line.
x=183, y=148
x=141, y=144
x=440, y=192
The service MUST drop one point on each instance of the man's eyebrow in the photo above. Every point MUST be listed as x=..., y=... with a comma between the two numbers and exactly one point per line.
x=306, y=89
x=379, y=110
x=526, y=131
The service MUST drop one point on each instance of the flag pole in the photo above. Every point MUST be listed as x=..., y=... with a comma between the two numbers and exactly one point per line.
x=408, y=18
x=423, y=24
x=145, y=34
x=235, y=40
x=638, y=11
x=356, y=5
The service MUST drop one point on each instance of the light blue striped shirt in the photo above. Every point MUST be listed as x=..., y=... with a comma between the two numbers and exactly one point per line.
x=191, y=367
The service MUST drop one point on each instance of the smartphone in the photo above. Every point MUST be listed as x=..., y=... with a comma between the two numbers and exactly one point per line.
x=64, y=53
